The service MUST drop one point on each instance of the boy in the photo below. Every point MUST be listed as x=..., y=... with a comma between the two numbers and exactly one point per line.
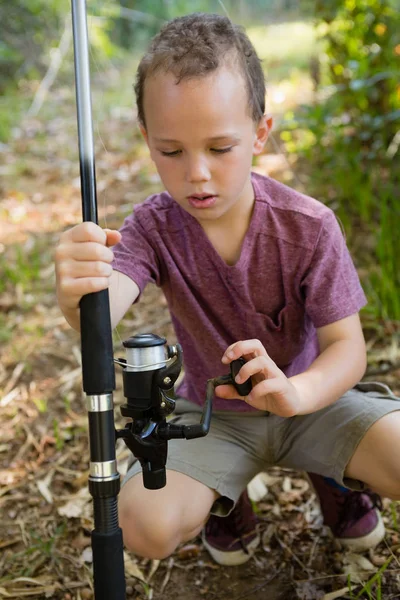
x=249, y=268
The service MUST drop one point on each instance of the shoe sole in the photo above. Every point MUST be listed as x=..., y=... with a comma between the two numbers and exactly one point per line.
x=366, y=542
x=232, y=559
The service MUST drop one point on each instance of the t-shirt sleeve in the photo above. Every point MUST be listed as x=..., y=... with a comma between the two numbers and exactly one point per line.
x=331, y=286
x=135, y=254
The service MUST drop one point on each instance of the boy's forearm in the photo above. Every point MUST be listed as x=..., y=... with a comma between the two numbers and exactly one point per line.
x=336, y=370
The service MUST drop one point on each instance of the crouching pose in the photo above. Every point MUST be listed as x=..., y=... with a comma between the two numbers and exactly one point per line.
x=250, y=268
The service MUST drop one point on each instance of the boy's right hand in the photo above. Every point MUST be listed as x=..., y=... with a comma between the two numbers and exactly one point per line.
x=83, y=265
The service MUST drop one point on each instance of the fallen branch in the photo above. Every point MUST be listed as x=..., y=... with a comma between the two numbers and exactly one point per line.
x=57, y=55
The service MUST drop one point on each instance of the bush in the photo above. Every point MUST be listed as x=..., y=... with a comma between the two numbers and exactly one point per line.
x=349, y=138
x=28, y=29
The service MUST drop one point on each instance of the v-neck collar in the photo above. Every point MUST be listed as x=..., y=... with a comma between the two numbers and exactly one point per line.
x=199, y=232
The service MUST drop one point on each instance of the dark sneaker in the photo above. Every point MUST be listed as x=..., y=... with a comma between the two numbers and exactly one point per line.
x=231, y=540
x=354, y=517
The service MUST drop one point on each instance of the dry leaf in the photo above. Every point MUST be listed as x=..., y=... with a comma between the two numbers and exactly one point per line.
x=358, y=567
x=43, y=487
x=188, y=551
x=153, y=568
x=132, y=569
x=287, y=484
x=338, y=593
x=87, y=555
x=257, y=489
x=258, y=486
x=75, y=506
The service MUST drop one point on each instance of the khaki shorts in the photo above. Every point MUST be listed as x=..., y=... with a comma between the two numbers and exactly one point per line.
x=240, y=445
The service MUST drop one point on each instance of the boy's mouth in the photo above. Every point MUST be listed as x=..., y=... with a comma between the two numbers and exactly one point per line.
x=202, y=200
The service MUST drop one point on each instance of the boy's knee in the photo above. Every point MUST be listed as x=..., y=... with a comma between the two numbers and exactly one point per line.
x=154, y=536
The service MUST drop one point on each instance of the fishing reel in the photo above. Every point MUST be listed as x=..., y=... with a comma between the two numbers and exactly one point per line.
x=150, y=371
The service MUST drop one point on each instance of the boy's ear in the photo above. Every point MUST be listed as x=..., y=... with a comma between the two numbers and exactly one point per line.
x=144, y=133
x=146, y=138
x=262, y=132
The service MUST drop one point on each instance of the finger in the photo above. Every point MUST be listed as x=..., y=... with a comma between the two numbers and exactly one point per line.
x=72, y=290
x=228, y=392
x=86, y=232
x=75, y=269
x=113, y=237
x=259, y=364
x=274, y=395
x=267, y=386
x=242, y=348
x=85, y=251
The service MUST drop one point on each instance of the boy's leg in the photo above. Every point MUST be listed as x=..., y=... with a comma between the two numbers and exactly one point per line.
x=330, y=443
x=353, y=517
x=376, y=458
x=154, y=522
x=231, y=540
x=203, y=475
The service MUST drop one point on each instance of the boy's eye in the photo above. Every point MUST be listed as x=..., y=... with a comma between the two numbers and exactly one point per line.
x=216, y=150
x=221, y=150
x=174, y=153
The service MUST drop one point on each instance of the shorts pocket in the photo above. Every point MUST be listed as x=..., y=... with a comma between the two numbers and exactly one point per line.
x=376, y=388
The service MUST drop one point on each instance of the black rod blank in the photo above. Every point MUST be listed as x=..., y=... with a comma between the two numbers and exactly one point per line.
x=97, y=351
x=97, y=354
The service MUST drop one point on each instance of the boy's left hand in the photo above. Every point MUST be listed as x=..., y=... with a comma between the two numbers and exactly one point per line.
x=272, y=390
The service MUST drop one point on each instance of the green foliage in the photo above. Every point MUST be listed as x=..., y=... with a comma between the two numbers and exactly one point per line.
x=27, y=29
x=349, y=138
x=139, y=20
x=362, y=42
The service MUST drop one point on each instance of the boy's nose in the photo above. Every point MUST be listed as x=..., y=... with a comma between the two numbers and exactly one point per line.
x=197, y=171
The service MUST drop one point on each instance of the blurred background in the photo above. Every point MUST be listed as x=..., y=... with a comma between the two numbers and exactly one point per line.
x=333, y=88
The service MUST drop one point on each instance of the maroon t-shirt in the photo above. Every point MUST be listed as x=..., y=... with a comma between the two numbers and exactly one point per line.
x=294, y=274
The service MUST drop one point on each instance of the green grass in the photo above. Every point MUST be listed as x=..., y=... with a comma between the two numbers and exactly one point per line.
x=373, y=588
x=20, y=266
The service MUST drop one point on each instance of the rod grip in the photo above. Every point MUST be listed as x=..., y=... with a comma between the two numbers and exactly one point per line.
x=108, y=565
x=96, y=343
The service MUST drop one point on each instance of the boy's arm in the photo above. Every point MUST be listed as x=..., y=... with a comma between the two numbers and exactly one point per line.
x=340, y=365
x=123, y=293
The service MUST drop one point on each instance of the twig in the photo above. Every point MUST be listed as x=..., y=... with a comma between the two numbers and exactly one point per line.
x=9, y=397
x=391, y=552
x=16, y=374
x=57, y=56
x=286, y=547
x=315, y=544
x=167, y=575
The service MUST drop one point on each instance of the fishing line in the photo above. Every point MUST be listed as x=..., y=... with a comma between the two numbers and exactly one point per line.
x=103, y=192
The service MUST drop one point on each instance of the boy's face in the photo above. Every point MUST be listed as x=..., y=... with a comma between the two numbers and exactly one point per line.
x=202, y=140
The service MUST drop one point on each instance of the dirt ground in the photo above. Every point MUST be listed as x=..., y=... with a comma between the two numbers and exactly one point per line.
x=46, y=513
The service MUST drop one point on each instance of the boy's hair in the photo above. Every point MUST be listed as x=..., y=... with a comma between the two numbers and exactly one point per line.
x=196, y=45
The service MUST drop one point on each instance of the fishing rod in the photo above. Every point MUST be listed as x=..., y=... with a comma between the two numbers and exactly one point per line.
x=97, y=354
x=150, y=371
